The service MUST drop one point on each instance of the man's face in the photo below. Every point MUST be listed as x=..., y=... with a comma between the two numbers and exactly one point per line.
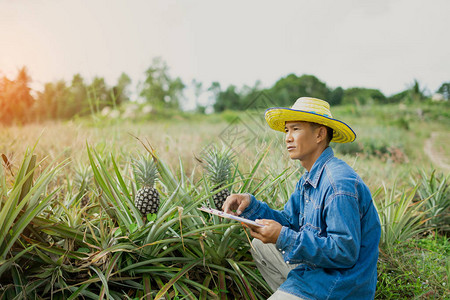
x=301, y=142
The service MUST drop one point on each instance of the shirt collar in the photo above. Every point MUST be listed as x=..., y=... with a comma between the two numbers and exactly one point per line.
x=312, y=177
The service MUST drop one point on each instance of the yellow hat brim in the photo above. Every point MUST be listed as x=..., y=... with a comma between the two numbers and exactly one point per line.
x=278, y=116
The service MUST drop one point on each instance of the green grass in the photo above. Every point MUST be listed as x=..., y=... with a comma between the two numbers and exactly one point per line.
x=418, y=268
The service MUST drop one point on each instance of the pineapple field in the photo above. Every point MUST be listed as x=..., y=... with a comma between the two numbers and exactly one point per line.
x=107, y=208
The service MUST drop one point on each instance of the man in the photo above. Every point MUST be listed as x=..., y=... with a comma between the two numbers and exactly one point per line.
x=324, y=243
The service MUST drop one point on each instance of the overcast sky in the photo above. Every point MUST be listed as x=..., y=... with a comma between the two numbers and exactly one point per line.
x=376, y=44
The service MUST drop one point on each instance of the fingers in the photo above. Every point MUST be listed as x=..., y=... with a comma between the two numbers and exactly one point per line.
x=228, y=204
x=238, y=202
x=267, y=234
x=260, y=236
x=252, y=227
x=263, y=221
x=256, y=235
x=244, y=203
x=256, y=231
x=226, y=207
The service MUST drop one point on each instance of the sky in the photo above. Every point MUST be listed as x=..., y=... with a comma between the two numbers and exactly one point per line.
x=375, y=44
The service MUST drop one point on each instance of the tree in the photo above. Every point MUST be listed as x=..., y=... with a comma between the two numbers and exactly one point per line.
x=444, y=89
x=363, y=96
x=413, y=94
x=250, y=97
x=61, y=101
x=336, y=96
x=159, y=88
x=215, y=88
x=416, y=92
x=286, y=90
x=399, y=97
x=214, y=91
x=77, y=102
x=198, y=91
x=15, y=98
x=228, y=99
x=99, y=95
x=119, y=91
x=51, y=102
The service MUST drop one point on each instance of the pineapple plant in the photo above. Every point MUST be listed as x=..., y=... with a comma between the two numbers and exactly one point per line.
x=147, y=197
x=82, y=180
x=218, y=170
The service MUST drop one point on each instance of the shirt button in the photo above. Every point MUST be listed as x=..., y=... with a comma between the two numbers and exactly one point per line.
x=283, y=252
x=287, y=262
x=279, y=249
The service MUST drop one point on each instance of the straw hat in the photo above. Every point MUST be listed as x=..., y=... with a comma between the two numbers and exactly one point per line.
x=310, y=110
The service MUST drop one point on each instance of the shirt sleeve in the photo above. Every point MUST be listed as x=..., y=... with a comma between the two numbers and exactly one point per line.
x=337, y=247
x=287, y=217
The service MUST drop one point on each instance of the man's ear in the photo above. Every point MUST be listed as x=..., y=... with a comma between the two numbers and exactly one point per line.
x=321, y=134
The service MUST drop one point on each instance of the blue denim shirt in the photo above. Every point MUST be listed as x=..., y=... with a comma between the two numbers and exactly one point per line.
x=331, y=229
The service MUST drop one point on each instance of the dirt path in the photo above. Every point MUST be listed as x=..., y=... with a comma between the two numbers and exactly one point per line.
x=437, y=158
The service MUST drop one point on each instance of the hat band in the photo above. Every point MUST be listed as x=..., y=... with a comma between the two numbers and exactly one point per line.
x=316, y=113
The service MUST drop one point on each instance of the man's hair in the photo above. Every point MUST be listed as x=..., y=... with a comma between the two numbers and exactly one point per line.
x=329, y=131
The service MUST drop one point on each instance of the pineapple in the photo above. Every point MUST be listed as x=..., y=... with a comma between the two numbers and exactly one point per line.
x=147, y=197
x=218, y=168
x=83, y=178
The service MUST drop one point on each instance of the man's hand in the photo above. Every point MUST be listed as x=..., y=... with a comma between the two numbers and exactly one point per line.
x=236, y=202
x=267, y=234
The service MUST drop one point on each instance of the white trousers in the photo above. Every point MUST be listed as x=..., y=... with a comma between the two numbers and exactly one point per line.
x=272, y=267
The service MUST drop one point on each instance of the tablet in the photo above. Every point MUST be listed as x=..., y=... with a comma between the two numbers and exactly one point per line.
x=229, y=216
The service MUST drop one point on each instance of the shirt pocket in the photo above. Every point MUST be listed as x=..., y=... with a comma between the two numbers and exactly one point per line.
x=313, y=213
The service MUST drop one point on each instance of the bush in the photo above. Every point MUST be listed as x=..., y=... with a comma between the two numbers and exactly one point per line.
x=400, y=122
x=348, y=148
x=384, y=143
x=401, y=218
x=436, y=188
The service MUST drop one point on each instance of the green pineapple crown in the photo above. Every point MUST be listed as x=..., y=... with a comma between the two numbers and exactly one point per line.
x=218, y=165
x=83, y=177
x=145, y=171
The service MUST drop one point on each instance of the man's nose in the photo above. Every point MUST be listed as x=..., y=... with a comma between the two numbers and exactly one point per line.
x=288, y=137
